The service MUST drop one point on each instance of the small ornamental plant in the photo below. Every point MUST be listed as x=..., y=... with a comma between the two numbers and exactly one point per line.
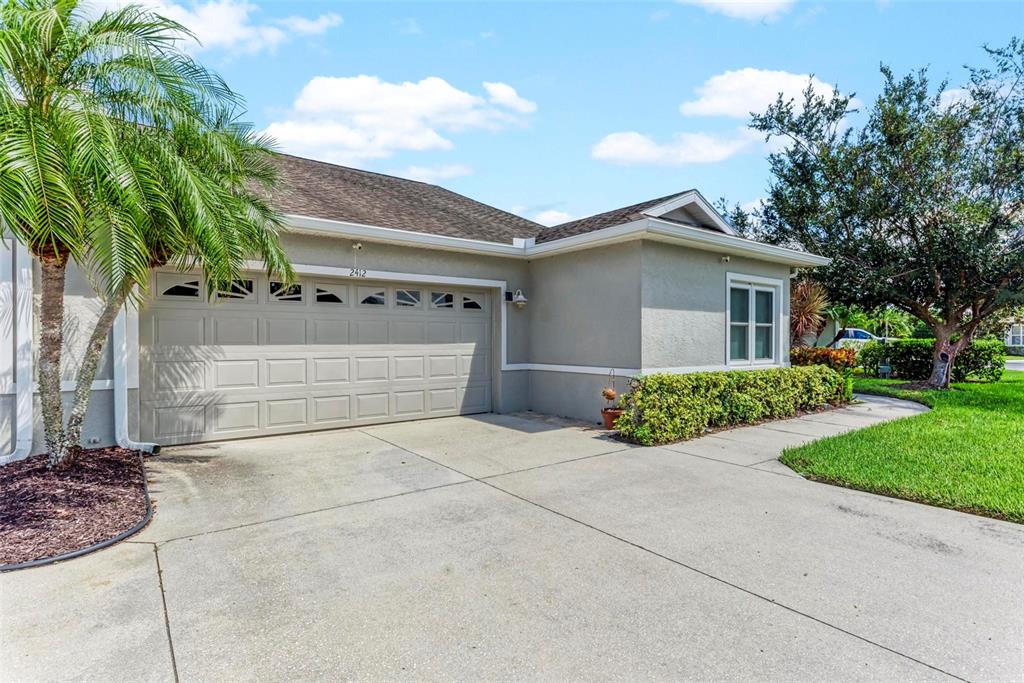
x=610, y=413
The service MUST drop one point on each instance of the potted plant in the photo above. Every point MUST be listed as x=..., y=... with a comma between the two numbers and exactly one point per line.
x=610, y=413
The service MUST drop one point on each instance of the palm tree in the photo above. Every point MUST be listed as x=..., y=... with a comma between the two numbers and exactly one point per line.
x=807, y=306
x=119, y=153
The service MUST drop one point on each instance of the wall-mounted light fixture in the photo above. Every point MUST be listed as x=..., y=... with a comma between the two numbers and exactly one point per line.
x=726, y=258
x=519, y=299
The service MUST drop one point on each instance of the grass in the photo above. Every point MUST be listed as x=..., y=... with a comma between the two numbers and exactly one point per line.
x=967, y=453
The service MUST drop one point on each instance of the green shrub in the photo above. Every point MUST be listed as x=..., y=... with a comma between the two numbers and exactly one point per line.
x=661, y=408
x=911, y=359
x=837, y=359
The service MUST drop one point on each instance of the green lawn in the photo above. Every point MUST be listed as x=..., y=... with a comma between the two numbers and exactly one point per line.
x=967, y=453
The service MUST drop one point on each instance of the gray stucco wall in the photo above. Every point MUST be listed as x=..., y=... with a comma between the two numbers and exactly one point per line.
x=584, y=308
x=684, y=304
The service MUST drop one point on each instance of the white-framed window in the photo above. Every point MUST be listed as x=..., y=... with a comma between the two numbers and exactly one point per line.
x=407, y=298
x=330, y=293
x=442, y=300
x=753, y=320
x=279, y=291
x=178, y=285
x=372, y=296
x=472, y=302
x=238, y=290
x=1015, y=335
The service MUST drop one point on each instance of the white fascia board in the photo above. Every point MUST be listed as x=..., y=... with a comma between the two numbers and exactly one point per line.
x=297, y=223
x=691, y=197
x=709, y=240
x=649, y=228
x=588, y=240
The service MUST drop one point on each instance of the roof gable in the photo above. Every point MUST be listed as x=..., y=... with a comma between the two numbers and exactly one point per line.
x=686, y=208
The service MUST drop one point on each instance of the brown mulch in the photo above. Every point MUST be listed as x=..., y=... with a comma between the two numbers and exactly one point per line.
x=44, y=512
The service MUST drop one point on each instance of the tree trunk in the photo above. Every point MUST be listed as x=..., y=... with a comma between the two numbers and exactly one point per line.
x=942, y=360
x=51, y=341
x=87, y=373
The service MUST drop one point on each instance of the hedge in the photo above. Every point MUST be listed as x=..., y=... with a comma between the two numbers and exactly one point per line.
x=662, y=408
x=911, y=359
x=837, y=359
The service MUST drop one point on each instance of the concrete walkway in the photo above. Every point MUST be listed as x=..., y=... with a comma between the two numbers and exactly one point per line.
x=521, y=547
x=1015, y=365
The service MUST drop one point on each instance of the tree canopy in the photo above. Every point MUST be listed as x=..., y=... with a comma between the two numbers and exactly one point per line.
x=920, y=206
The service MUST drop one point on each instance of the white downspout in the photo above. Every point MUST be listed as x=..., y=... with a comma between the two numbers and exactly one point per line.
x=120, y=353
x=23, y=374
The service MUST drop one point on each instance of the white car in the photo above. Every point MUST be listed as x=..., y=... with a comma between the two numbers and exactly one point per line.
x=854, y=337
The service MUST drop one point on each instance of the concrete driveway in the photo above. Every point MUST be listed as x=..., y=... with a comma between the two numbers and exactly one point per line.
x=517, y=547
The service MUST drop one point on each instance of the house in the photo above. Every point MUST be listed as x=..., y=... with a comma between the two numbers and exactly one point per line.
x=1015, y=335
x=413, y=302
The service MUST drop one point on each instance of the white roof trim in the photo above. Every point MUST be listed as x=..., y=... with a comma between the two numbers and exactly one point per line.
x=297, y=223
x=685, y=199
x=644, y=228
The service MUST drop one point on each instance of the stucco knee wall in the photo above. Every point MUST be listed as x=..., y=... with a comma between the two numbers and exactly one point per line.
x=568, y=394
x=685, y=308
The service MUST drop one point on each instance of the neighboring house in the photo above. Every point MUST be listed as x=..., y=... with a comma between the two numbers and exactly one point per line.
x=414, y=302
x=1015, y=336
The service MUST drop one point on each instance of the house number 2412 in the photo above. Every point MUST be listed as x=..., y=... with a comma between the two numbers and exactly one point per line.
x=357, y=272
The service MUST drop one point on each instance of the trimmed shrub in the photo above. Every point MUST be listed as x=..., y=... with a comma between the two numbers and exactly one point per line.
x=837, y=359
x=911, y=359
x=663, y=407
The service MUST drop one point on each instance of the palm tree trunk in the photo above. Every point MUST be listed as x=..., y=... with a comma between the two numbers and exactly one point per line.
x=51, y=341
x=87, y=372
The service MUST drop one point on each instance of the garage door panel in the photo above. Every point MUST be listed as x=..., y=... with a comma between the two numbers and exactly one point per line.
x=233, y=331
x=331, y=332
x=179, y=375
x=236, y=417
x=371, y=369
x=330, y=370
x=410, y=403
x=177, y=331
x=261, y=366
x=286, y=412
x=286, y=372
x=407, y=332
x=408, y=368
x=372, y=405
x=236, y=374
x=284, y=331
x=442, y=332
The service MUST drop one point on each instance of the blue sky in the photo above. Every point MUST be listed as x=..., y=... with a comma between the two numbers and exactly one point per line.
x=560, y=110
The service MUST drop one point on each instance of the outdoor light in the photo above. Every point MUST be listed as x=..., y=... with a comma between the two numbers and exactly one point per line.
x=726, y=258
x=519, y=299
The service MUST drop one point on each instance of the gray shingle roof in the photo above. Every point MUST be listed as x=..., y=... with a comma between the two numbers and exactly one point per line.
x=322, y=190
x=601, y=220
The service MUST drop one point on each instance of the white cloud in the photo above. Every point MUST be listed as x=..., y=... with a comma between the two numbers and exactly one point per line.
x=632, y=148
x=505, y=95
x=738, y=93
x=552, y=217
x=230, y=25
x=433, y=174
x=748, y=10
x=954, y=96
x=352, y=119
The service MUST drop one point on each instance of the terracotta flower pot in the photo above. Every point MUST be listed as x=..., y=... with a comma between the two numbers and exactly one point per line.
x=610, y=415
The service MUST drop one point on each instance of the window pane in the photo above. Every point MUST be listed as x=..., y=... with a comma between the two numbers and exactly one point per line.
x=739, y=305
x=280, y=292
x=330, y=294
x=407, y=297
x=763, y=342
x=238, y=289
x=738, y=342
x=470, y=303
x=370, y=296
x=188, y=289
x=442, y=299
x=763, y=306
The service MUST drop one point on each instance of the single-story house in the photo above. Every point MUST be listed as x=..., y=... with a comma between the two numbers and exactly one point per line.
x=1015, y=335
x=412, y=302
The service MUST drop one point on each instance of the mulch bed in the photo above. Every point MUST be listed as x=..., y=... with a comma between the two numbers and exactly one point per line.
x=44, y=512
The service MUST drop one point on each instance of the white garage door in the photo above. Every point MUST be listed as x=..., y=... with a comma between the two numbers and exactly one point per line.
x=264, y=358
